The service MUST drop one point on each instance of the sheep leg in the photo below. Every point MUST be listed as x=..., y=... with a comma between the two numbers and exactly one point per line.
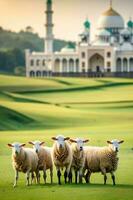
x=44, y=176
x=27, y=178
x=65, y=176
x=32, y=177
x=59, y=176
x=113, y=178
x=76, y=176
x=87, y=176
x=103, y=170
x=105, y=179
x=38, y=177
x=80, y=175
x=70, y=176
x=51, y=175
x=67, y=171
x=16, y=178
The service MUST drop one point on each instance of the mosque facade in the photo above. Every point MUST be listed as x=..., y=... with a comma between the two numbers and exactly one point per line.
x=109, y=54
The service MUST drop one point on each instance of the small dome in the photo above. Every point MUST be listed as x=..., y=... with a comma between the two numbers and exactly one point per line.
x=68, y=48
x=130, y=24
x=125, y=32
x=111, y=19
x=126, y=47
x=87, y=24
x=103, y=32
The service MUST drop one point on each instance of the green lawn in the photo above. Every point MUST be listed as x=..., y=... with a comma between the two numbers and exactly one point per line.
x=97, y=109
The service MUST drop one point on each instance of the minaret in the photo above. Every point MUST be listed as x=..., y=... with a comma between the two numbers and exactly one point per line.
x=49, y=39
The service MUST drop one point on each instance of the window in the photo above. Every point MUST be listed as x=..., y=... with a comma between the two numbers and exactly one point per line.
x=83, y=55
x=108, y=64
x=108, y=70
x=38, y=62
x=32, y=62
x=83, y=64
x=43, y=62
x=108, y=54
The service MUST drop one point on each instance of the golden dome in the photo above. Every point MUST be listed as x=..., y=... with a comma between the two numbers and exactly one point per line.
x=111, y=12
x=110, y=19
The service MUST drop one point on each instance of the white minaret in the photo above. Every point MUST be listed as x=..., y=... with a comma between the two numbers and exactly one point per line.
x=49, y=39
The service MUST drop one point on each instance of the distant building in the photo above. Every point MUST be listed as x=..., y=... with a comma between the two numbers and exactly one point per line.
x=109, y=54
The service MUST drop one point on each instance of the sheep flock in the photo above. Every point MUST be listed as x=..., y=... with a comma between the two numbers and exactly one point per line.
x=69, y=156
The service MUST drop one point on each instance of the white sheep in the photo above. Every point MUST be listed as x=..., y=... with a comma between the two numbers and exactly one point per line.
x=62, y=156
x=24, y=160
x=102, y=159
x=45, y=159
x=78, y=158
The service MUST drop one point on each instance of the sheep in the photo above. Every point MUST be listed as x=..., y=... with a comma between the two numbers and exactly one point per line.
x=45, y=159
x=24, y=160
x=78, y=157
x=62, y=156
x=102, y=159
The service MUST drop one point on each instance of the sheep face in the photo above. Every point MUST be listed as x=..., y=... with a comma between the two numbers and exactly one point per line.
x=36, y=145
x=16, y=148
x=115, y=144
x=60, y=141
x=79, y=143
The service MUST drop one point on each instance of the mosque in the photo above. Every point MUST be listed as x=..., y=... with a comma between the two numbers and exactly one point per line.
x=109, y=54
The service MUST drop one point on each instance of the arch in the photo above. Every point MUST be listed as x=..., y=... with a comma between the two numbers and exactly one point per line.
x=43, y=62
x=44, y=73
x=71, y=65
x=125, y=65
x=38, y=73
x=64, y=65
x=31, y=62
x=119, y=65
x=77, y=65
x=57, y=65
x=37, y=62
x=32, y=74
x=131, y=64
x=96, y=63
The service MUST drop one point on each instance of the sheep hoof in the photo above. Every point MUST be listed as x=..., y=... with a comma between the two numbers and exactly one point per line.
x=14, y=186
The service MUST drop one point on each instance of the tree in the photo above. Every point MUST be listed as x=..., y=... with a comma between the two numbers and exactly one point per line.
x=29, y=29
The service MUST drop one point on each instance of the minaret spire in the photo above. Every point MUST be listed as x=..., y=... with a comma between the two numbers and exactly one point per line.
x=111, y=3
x=49, y=28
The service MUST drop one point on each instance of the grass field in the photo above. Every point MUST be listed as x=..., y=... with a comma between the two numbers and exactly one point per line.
x=95, y=109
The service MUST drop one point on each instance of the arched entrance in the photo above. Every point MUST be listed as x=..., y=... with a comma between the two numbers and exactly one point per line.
x=119, y=65
x=57, y=65
x=96, y=64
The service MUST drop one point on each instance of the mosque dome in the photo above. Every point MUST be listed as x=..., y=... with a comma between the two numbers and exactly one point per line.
x=130, y=24
x=103, y=32
x=68, y=48
x=110, y=19
x=87, y=24
x=126, y=47
x=125, y=32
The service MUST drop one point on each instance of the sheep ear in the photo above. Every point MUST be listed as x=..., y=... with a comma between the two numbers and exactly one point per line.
x=73, y=141
x=41, y=143
x=54, y=138
x=85, y=141
x=22, y=145
x=31, y=143
x=10, y=145
x=121, y=141
x=67, y=138
x=109, y=142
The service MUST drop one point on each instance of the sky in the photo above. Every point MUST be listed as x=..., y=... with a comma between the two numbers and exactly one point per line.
x=69, y=15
